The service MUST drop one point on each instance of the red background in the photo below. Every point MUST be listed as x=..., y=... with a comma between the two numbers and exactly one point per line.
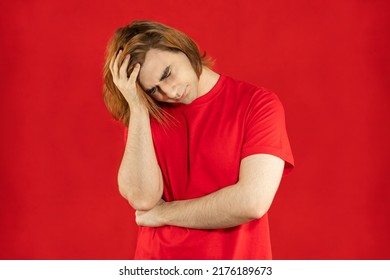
x=60, y=150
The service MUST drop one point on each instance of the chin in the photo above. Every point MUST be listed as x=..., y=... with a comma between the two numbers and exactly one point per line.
x=187, y=100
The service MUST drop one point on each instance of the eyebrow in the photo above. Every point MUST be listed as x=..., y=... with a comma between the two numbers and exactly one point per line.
x=163, y=76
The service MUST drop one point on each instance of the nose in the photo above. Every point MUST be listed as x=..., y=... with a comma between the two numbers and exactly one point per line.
x=169, y=90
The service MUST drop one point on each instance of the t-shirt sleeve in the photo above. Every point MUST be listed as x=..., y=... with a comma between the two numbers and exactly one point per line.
x=265, y=129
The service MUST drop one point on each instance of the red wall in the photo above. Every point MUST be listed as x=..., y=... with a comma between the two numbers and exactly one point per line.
x=328, y=61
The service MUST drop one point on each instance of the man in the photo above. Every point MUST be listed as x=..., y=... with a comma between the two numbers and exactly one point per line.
x=204, y=153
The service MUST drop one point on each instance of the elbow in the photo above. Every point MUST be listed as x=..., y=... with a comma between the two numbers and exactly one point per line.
x=140, y=201
x=257, y=209
x=142, y=195
x=143, y=204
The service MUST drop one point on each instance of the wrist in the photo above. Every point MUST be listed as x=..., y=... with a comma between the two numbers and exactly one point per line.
x=138, y=110
x=163, y=215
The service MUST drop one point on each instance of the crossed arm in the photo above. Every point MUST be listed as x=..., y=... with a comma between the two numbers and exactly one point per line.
x=233, y=205
x=140, y=182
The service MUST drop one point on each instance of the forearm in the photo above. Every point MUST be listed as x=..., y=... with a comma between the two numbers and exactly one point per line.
x=139, y=176
x=249, y=199
x=227, y=207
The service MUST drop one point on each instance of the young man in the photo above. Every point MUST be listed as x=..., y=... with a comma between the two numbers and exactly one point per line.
x=204, y=153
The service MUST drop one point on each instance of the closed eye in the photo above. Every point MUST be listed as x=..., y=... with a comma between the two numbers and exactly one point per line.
x=151, y=90
x=165, y=75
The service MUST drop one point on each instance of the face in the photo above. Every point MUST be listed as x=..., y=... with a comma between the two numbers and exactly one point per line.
x=169, y=77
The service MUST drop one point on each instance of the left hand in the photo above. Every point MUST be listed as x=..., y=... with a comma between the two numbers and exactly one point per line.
x=152, y=217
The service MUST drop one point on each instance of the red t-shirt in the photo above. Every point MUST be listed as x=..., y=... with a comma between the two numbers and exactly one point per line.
x=200, y=153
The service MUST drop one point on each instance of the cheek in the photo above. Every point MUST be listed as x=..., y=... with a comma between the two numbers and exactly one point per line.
x=188, y=74
x=156, y=96
x=192, y=80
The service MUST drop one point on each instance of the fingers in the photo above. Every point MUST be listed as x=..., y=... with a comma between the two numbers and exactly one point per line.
x=134, y=74
x=125, y=84
x=114, y=65
x=121, y=74
x=123, y=69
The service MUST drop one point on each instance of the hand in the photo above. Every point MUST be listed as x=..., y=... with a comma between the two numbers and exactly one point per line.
x=152, y=217
x=126, y=85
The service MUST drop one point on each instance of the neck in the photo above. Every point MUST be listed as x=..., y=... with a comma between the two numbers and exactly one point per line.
x=207, y=80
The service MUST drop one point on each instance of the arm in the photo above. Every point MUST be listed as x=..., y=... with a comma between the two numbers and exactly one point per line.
x=139, y=176
x=233, y=205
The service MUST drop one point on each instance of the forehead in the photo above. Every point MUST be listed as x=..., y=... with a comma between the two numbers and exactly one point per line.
x=154, y=65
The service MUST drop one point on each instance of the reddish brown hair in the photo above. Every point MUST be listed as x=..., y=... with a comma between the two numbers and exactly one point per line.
x=137, y=39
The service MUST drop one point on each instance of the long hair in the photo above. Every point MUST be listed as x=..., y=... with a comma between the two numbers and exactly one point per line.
x=137, y=39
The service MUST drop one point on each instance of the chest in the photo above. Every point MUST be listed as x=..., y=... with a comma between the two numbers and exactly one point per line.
x=200, y=151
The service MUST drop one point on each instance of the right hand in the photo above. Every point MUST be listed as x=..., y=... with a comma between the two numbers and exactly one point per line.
x=126, y=85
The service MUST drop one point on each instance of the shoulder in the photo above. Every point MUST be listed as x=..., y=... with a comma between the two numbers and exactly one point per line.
x=248, y=88
x=251, y=95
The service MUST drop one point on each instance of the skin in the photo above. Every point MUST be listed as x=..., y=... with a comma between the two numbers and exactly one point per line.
x=179, y=83
x=139, y=177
